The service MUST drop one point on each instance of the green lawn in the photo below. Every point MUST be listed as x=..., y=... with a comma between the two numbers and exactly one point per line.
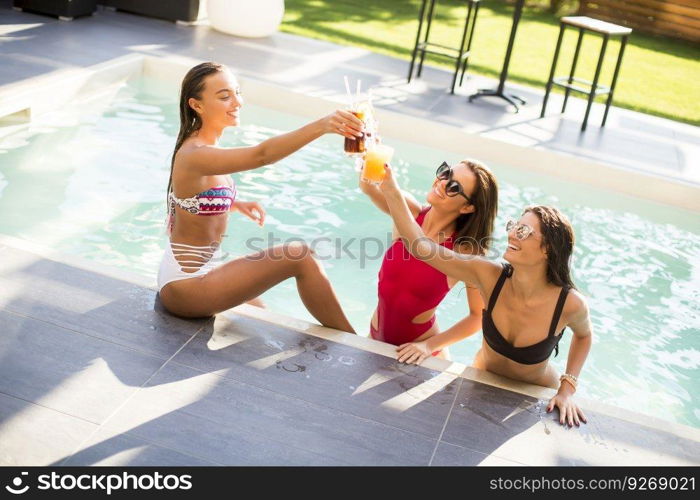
x=659, y=76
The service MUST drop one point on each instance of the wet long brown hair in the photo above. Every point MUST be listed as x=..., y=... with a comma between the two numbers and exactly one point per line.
x=558, y=241
x=190, y=121
x=476, y=227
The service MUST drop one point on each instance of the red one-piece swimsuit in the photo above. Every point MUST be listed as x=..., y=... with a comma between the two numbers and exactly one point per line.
x=407, y=288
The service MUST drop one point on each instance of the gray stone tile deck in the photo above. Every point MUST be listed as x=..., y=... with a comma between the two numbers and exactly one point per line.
x=630, y=140
x=79, y=388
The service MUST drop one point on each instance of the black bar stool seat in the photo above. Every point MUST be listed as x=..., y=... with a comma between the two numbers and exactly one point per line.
x=590, y=88
x=459, y=54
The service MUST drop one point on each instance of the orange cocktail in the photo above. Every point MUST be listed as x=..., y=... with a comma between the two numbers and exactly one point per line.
x=375, y=159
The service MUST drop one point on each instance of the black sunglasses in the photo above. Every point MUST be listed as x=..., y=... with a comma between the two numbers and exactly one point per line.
x=452, y=188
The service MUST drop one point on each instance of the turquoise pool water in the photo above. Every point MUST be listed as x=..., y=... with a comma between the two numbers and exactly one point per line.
x=91, y=181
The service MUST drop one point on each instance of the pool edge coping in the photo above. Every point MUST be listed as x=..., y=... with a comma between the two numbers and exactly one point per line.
x=362, y=343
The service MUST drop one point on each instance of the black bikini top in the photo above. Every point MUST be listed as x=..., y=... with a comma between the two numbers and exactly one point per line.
x=528, y=355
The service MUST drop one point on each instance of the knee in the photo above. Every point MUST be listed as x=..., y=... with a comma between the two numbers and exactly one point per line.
x=301, y=254
x=297, y=250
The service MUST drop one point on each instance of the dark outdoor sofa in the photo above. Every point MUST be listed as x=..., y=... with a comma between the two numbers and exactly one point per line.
x=172, y=10
x=61, y=8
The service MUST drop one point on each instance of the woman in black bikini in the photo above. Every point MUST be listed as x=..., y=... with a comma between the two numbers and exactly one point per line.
x=528, y=297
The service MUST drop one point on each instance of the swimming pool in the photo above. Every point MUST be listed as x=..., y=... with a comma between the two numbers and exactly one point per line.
x=92, y=183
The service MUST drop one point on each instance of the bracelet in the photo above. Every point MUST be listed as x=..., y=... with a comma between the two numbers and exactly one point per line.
x=571, y=379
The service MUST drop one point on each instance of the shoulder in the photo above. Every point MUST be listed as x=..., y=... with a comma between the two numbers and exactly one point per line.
x=576, y=312
x=494, y=270
x=575, y=303
x=191, y=152
x=184, y=156
x=489, y=271
x=186, y=176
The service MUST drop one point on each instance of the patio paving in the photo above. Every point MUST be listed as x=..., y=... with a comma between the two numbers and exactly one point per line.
x=34, y=45
x=93, y=371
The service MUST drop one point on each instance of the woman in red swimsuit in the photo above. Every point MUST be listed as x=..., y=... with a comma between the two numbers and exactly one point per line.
x=462, y=205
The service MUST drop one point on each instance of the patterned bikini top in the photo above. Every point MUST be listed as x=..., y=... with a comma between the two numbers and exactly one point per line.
x=216, y=200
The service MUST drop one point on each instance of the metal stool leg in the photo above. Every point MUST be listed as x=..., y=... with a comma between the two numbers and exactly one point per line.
x=614, y=80
x=573, y=67
x=517, y=98
x=465, y=64
x=427, y=33
x=415, y=47
x=551, y=72
x=591, y=95
x=461, y=48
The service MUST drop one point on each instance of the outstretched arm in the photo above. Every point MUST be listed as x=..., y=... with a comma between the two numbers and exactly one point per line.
x=375, y=194
x=463, y=267
x=464, y=328
x=416, y=352
x=581, y=343
x=214, y=160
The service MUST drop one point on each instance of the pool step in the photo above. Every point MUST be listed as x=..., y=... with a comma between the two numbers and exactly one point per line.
x=23, y=115
x=33, y=97
x=13, y=122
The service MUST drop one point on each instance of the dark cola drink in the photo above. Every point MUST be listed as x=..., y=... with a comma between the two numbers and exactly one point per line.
x=356, y=146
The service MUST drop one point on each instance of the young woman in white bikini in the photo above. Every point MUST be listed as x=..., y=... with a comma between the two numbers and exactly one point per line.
x=192, y=280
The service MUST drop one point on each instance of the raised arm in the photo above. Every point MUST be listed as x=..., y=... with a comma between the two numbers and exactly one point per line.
x=581, y=342
x=375, y=195
x=464, y=267
x=214, y=160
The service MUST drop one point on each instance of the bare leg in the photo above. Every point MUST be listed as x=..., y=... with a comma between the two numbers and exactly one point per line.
x=244, y=279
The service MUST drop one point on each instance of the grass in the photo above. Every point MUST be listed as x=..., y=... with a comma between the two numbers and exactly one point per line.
x=659, y=76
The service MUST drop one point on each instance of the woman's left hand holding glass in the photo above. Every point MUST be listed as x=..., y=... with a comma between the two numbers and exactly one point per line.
x=389, y=186
x=343, y=123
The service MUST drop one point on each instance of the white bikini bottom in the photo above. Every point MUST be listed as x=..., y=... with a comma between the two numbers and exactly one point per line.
x=200, y=260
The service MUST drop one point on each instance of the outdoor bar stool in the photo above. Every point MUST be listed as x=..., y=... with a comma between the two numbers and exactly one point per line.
x=607, y=30
x=460, y=55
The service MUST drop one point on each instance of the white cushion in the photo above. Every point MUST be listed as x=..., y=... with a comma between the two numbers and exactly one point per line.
x=248, y=18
